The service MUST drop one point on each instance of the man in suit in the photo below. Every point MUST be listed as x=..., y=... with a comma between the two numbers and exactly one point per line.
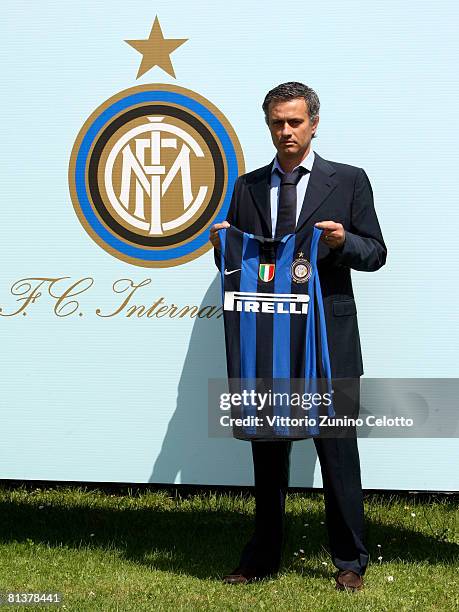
x=338, y=199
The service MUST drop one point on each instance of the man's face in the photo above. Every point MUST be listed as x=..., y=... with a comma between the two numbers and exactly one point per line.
x=291, y=130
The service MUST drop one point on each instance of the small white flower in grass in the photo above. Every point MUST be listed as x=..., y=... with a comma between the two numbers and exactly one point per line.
x=380, y=558
x=413, y=514
x=301, y=551
x=91, y=535
x=303, y=537
x=296, y=554
x=322, y=523
x=324, y=563
x=40, y=507
x=306, y=524
x=390, y=579
x=378, y=545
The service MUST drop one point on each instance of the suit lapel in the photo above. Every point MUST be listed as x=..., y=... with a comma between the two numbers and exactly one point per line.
x=260, y=190
x=320, y=185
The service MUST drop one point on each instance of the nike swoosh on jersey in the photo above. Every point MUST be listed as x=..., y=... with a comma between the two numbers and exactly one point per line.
x=231, y=271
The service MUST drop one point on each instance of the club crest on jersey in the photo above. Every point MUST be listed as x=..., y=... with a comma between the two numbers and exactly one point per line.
x=301, y=270
x=266, y=272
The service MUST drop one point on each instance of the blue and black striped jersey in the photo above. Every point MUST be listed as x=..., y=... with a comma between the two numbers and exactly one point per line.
x=275, y=330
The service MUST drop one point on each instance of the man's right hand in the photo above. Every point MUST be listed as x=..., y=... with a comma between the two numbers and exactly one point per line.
x=214, y=237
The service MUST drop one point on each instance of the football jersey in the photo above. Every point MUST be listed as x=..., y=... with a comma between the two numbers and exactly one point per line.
x=275, y=332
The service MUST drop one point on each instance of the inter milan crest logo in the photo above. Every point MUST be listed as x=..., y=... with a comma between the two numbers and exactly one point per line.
x=300, y=269
x=153, y=167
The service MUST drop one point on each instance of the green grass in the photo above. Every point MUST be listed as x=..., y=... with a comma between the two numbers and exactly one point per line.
x=159, y=551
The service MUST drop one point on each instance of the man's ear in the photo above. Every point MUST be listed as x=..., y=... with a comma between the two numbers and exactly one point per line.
x=316, y=123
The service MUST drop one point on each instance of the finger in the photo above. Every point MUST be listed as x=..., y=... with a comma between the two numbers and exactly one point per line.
x=327, y=225
x=219, y=226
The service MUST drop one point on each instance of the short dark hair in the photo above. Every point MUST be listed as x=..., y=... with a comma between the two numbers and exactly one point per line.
x=289, y=91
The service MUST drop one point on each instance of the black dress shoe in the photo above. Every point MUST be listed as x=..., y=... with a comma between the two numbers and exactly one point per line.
x=347, y=580
x=242, y=576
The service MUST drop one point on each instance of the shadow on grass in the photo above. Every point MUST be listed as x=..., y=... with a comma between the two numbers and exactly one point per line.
x=200, y=543
x=397, y=544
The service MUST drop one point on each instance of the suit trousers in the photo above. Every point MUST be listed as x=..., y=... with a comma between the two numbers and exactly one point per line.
x=340, y=467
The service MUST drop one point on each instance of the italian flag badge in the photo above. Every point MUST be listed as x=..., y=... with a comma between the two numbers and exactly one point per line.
x=266, y=272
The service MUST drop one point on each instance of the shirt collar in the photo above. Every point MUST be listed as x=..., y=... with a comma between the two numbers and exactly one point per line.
x=306, y=163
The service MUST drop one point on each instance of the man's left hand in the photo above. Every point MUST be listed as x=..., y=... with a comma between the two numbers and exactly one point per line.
x=333, y=233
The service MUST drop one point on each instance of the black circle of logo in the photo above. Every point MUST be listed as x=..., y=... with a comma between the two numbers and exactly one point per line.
x=93, y=166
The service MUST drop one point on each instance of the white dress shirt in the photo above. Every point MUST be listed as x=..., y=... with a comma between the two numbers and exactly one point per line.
x=302, y=184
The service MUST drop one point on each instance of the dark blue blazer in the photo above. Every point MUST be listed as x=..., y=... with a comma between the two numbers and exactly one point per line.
x=336, y=192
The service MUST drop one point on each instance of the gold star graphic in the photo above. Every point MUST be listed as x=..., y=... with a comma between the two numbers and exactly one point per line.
x=156, y=50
